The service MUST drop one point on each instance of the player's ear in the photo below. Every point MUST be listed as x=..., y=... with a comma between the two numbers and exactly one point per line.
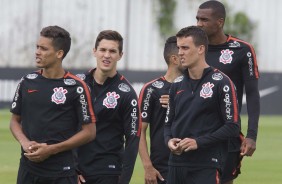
x=201, y=49
x=60, y=54
x=220, y=22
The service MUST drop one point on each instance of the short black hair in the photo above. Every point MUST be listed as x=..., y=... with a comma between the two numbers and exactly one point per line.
x=198, y=34
x=217, y=8
x=110, y=35
x=60, y=38
x=170, y=48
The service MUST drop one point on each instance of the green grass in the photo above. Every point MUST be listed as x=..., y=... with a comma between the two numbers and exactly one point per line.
x=264, y=167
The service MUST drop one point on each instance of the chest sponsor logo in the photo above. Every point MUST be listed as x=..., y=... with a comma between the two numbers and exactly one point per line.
x=124, y=87
x=234, y=44
x=226, y=56
x=31, y=76
x=81, y=76
x=59, y=96
x=111, y=100
x=206, y=91
x=178, y=79
x=217, y=76
x=158, y=84
x=69, y=82
x=134, y=117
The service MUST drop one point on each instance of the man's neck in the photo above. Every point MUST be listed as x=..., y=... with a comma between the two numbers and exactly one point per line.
x=217, y=39
x=196, y=72
x=100, y=76
x=172, y=74
x=53, y=73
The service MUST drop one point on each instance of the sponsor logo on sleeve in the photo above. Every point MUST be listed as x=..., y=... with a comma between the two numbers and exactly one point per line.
x=59, y=96
x=124, y=87
x=217, y=76
x=146, y=103
x=134, y=117
x=250, y=62
x=167, y=113
x=226, y=56
x=14, y=104
x=31, y=76
x=84, y=106
x=111, y=100
x=228, y=102
x=69, y=82
x=207, y=91
x=158, y=84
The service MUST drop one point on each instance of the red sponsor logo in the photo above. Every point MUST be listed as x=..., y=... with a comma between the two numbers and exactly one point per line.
x=32, y=90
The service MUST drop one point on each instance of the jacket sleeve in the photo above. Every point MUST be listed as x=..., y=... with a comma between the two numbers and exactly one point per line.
x=229, y=113
x=253, y=106
x=169, y=115
x=132, y=130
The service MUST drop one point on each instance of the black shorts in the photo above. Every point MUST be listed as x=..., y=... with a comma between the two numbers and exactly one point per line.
x=102, y=179
x=184, y=175
x=232, y=167
x=25, y=177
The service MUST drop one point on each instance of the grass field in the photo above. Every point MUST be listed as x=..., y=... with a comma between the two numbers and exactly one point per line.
x=265, y=167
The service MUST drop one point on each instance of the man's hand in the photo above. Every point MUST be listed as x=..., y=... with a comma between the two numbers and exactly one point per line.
x=173, y=145
x=27, y=146
x=152, y=175
x=80, y=179
x=41, y=153
x=188, y=144
x=248, y=147
x=164, y=100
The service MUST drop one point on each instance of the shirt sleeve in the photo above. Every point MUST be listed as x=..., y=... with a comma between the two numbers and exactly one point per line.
x=132, y=130
x=253, y=106
x=169, y=115
x=229, y=113
x=17, y=100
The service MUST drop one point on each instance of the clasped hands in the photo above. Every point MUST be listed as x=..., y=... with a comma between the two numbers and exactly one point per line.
x=177, y=146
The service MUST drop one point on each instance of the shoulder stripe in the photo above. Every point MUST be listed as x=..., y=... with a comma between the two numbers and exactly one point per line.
x=253, y=53
x=234, y=100
x=88, y=95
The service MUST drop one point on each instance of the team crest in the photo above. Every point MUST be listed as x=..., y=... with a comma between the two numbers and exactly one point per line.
x=59, y=96
x=158, y=84
x=124, y=87
x=226, y=56
x=111, y=100
x=206, y=91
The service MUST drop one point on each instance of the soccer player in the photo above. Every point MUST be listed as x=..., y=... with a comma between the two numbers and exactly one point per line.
x=51, y=114
x=153, y=115
x=110, y=158
x=201, y=116
x=237, y=59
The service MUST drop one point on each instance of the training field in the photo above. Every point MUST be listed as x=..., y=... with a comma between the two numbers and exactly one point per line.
x=265, y=167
